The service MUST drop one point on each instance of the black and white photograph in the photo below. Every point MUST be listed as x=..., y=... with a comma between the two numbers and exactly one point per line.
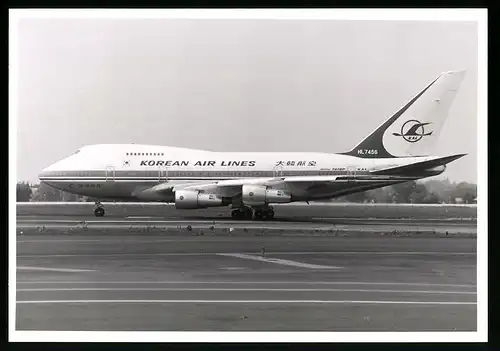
x=310, y=173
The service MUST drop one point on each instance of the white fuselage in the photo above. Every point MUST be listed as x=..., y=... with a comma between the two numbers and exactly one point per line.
x=129, y=171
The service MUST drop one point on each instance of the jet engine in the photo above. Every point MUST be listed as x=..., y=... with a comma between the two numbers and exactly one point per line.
x=188, y=199
x=258, y=195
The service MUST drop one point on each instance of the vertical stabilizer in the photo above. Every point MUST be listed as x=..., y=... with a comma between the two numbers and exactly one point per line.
x=415, y=128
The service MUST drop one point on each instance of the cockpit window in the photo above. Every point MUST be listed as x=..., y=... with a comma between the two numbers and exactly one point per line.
x=77, y=151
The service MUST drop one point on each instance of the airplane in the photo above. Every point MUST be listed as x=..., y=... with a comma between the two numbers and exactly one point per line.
x=251, y=182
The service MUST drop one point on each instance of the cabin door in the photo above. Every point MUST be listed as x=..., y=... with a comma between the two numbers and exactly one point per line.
x=110, y=174
x=278, y=171
x=162, y=174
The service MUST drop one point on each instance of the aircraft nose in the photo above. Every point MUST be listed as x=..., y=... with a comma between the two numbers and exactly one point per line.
x=43, y=174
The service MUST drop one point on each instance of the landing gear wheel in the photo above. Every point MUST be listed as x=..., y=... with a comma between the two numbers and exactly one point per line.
x=99, y=212
x=248, y=214
x=270, y=213
x=264, y=214
x=242, y=213
x=235, y=214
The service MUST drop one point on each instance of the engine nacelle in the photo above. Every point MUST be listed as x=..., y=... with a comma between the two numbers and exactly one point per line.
x=259, y=195
x=188, y=199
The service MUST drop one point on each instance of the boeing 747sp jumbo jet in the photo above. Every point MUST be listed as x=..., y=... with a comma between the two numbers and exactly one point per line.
x=250, y=182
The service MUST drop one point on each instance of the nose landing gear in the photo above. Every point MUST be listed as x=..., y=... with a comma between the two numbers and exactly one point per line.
x=99, y=210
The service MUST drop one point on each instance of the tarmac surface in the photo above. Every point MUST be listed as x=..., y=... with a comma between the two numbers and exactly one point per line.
x=296, y=212
x=78, y=272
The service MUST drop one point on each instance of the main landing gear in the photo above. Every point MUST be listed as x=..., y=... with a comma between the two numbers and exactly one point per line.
x=99, y=210
x=246, y=213
x=264, y=213
x=242, y=213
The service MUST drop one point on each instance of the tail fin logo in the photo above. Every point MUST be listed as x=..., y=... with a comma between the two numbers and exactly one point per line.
x=413, y=131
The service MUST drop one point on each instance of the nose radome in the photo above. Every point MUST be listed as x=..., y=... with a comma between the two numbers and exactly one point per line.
x=47, y=171
x=43, y=174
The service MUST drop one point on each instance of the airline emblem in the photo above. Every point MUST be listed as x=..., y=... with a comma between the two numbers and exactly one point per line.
x=412, y=131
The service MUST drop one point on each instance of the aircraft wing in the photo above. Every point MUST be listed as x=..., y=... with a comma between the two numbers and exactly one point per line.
x=344, y=179
x=318, y=184
x=230, y=187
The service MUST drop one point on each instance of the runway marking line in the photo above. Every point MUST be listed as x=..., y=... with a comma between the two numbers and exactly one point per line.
x=93, y=221
x=252, y=301
x=142, y=217
x=251, y=253
x=117, y=241
x=278, y=261
x=25, y=268
x=251, y=289
x=245, y=282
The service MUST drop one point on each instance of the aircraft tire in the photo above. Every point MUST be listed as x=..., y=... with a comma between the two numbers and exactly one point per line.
x=270, y=213
x=248, y=214
x=264, y=215
x=241, y=214
x=99, y=212
x=258, y=215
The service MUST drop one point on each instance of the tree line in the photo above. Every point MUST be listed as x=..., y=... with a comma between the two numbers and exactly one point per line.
x=430, y=192
x=419, y=192
x=27, y=192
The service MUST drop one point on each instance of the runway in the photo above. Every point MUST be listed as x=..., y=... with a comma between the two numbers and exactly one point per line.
x=142, y=282
x=341, y=274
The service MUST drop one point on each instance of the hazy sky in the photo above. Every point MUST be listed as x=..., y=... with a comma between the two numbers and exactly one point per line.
x=234, y=85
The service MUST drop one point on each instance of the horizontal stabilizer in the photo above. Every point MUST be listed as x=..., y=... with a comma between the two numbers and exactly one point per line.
x=418, y=166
